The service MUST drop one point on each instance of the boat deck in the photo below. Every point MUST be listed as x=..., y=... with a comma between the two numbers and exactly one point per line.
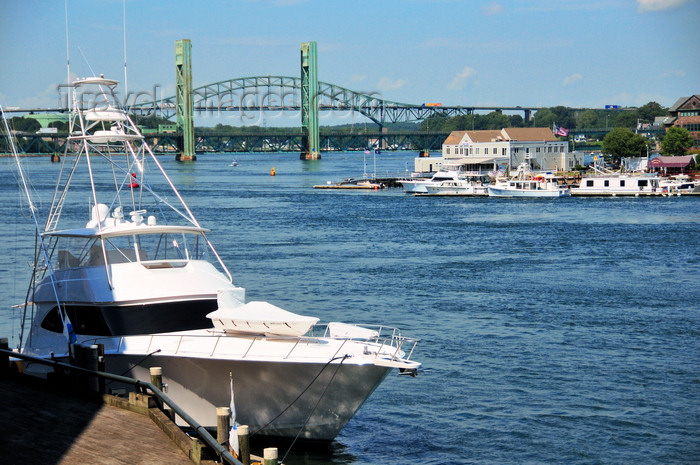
x=42, y=424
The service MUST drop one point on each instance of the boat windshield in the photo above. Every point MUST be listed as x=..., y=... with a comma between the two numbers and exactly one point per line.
x=172, y=248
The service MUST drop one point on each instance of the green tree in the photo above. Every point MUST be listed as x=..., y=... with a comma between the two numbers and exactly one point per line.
x=20, y=123
x=544, y=118
x=647, y=113
x=676, y=141
x=496, y=120
x=61, y=126
x=621, y=142
x=516, y=121
x=564, y=117
x=626, y=119
x=587, y=119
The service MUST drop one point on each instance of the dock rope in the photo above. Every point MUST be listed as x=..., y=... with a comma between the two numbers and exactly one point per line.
x=342, y=359
x=137, y=364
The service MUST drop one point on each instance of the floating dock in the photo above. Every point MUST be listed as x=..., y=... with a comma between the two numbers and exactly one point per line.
x=369, y=186
x=575, y=193
x=376, y=182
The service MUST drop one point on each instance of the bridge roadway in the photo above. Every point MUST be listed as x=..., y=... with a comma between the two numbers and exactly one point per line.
x=291, y=141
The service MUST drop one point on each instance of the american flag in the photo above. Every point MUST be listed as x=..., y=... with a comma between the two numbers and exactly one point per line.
x=559, y=131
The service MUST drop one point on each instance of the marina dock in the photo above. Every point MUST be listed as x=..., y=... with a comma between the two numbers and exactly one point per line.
x=65, y=418
x=42, y=424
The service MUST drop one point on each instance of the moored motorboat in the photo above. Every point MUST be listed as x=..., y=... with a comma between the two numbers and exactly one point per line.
x=141, y=277
x=467, y=187
x=536, y=186
x=419, y=185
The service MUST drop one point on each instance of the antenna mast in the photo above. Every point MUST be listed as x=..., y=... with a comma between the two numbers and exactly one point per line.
x=67, y=47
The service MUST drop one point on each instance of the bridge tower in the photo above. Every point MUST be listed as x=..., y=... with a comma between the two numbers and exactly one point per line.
x=310, y=139
x=183, y=95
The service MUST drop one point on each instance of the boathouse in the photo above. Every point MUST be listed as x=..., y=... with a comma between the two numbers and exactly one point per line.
x=490, y=150
x=672, y=165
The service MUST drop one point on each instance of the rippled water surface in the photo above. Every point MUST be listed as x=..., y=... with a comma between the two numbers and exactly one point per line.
x=552, y=331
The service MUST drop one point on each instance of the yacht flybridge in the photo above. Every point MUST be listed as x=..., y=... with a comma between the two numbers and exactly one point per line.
x=135, y=271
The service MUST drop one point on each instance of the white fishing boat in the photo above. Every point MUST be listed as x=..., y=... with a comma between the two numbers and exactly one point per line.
x=140, y=276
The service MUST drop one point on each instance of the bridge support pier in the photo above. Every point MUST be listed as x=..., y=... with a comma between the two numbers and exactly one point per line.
x=310, y=139
x=184, y=105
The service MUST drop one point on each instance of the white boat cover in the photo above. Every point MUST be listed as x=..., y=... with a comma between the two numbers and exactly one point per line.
x=260, y=318
x=346, y=331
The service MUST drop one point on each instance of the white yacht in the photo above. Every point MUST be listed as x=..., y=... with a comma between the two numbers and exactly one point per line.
x=538, y=186
x=419, y=185
x=473, y=186
x=140, y=276
x=525, y=183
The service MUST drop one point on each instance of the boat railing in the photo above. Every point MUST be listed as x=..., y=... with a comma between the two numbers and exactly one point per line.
x=387, y=341
x=386, y=336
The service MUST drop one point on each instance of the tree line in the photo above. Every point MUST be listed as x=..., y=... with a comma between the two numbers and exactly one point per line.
x=547, y=117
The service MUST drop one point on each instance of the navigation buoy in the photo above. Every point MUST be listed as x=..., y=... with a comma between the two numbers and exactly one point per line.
x=133, y=184
x=272, y=171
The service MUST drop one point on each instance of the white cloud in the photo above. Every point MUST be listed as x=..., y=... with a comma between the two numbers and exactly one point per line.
x=656, y=5
x=674, y=73
x=460, y=80
x=387, y=84
x=492, y=9
x=358, y=77
x=568, y=80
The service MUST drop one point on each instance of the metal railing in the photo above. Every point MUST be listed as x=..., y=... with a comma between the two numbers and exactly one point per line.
x=386, y=337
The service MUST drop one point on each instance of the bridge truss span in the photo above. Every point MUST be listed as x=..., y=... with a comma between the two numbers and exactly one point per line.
x=250, y=96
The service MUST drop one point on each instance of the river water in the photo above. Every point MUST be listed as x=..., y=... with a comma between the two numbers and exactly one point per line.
x=552, y=330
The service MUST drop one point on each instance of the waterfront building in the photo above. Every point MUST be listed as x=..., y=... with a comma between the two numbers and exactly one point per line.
x=685, y=113
x=493, y=150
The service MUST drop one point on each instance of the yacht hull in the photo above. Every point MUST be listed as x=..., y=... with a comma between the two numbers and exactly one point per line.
x=281, y=397
x=498, y=192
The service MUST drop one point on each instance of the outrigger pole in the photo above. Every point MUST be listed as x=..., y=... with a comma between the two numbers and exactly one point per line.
x=68, y=331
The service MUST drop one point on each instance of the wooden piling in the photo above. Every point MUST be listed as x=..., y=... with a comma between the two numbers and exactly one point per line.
x=157, y=377
x=223, y=424
x=244, y=444
x=270, y=456
x=157, y=381
x=86, y=357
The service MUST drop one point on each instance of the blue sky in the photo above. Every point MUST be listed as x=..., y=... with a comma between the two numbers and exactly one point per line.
x=493, y=52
